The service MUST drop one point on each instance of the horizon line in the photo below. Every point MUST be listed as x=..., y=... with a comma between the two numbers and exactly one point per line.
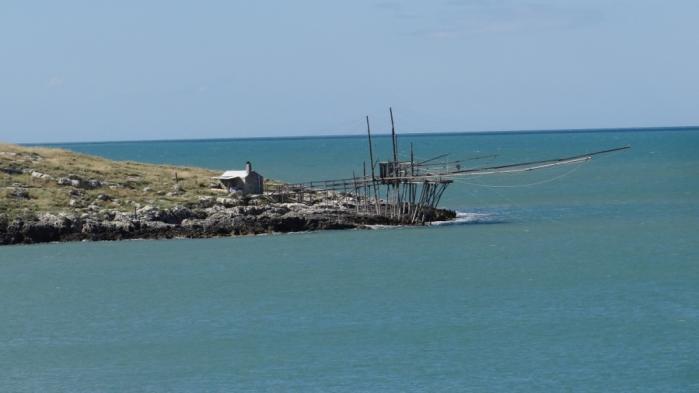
x=414, y=134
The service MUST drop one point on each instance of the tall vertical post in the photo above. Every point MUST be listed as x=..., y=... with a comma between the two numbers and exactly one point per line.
x=412, y=160
x=356, y=192
x=373, y=177
x=371, y=149
x=393, y=137
x=366, y=190
x=411, y=196
x=395, y=184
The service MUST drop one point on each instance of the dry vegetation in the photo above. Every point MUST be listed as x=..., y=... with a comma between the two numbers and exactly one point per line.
x=30, y=180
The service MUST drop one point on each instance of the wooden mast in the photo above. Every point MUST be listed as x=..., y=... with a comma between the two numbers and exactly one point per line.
x=395, y=186
x=371, y=157
x=393, y=136
x=371, y=149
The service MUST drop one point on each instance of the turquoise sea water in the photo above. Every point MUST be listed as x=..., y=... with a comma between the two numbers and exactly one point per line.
x=581, y=279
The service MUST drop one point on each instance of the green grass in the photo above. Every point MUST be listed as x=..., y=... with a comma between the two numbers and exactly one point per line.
x=126, y=184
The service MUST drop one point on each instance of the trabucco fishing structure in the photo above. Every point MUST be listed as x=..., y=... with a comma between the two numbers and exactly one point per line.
x=407, y=191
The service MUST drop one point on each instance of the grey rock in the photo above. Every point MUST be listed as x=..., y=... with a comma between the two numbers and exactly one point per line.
x=41, y=175
x=11, y=170
x=176, y=214
x=227, y=202
x=206, y=201
x=64, y=181
x=18, y=192
x=92, y=184
x=205, y=218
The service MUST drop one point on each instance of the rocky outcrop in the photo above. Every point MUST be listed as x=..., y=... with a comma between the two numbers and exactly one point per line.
x=17, y=191
x=209, y=218
x=74, y=181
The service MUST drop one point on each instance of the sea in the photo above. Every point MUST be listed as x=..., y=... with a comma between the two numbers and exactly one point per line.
x=578, y=278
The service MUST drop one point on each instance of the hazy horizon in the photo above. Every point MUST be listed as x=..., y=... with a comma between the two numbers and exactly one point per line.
x=80, y=71
x=362, y=134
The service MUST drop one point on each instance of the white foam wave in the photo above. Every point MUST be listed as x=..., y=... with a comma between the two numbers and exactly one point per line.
x=381, y=226
x=466, y=218
x=461, y=218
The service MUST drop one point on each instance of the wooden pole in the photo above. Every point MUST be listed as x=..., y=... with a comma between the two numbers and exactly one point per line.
x=394, y=171
x=373, y=176
x=412, y=160
x=389, y=198
x=366, y=190
x=371, y=149
x=356, y=193
x=439, y=195
x=393, y=138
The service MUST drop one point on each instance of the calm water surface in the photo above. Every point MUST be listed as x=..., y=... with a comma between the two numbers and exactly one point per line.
x=582, y=279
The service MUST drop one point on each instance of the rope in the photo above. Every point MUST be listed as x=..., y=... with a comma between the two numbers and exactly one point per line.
x=571, y=171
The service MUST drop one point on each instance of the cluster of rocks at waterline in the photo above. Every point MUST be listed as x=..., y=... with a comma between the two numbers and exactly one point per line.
x=49, y=194
x=210, y=217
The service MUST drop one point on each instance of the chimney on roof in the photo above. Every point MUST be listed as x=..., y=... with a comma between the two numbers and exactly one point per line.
x=248, y=167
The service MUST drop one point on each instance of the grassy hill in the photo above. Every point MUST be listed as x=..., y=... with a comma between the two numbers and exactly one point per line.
x=54, y=180
x=49, y=194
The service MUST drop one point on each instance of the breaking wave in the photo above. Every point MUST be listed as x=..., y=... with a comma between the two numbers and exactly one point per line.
x=465, y=218
x=462, y=218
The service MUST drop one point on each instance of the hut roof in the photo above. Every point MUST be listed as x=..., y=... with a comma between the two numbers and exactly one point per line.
x=233, y=174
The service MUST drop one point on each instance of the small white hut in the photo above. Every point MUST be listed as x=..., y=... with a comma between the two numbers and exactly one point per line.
x=246, y=181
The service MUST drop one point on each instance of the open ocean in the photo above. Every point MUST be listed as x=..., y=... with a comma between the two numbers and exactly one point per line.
x=572, y=279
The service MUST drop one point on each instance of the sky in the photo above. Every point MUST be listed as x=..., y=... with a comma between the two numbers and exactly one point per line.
x=131, y=70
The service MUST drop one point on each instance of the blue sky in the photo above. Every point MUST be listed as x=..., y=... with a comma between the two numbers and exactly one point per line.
x=129, y=70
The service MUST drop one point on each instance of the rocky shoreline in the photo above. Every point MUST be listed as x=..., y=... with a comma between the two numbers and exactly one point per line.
x=210, y=217
x=55, y=195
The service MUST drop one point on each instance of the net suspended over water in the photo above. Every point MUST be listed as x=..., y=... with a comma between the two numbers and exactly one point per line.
x=407, y=190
